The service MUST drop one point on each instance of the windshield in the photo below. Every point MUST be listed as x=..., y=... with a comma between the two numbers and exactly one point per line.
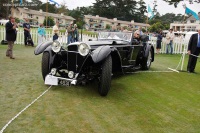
x=115, y=35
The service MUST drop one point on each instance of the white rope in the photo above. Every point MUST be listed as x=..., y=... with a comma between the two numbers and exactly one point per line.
x=173, y=70
x=24, y=110
x=151, y=72
x=181, y=60
x=195, y=55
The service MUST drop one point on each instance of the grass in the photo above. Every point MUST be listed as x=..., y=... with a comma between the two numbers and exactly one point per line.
x=140, y=102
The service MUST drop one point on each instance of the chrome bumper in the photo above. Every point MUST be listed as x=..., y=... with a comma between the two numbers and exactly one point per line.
x=53, y=80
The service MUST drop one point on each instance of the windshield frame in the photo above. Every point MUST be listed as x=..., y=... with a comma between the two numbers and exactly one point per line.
x=115, y=35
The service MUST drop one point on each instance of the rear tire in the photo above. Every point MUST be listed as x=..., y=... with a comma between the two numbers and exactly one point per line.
x=146, y=61
x=45, y=64
x=105, y=77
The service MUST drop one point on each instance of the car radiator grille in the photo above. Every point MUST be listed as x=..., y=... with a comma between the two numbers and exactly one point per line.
x=73, y=58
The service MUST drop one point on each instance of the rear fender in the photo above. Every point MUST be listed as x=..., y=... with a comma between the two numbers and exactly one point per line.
x=41, y=47
x=100, y=53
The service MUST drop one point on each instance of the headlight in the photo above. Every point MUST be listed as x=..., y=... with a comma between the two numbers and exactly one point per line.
x=84, y=49
x=71, y=74
x=53, y=71
x=56, y=46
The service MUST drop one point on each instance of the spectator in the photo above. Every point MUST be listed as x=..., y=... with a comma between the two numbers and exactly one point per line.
x=136, y=35
x=41, y=34
x=66, y=33
x=122, y=29
x=113, y=28
x=118, y=27
x=70, y=34
x=11, y=35
x=27, y=35
x=159, y=40
x=76, y=33
x=140, y=31
x=170, y=38
x=193, y=48
x=56, y=31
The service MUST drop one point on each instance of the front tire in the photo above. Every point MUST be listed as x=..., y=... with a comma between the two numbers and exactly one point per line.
x=105, y=77
x=146, y=61
x=45, y=64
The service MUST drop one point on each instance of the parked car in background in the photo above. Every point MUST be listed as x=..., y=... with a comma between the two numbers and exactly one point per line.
x=188, y=35
x=3, y=22
x=81, y=62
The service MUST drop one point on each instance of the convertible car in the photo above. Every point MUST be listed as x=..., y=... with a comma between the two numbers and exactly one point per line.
x=81, y=62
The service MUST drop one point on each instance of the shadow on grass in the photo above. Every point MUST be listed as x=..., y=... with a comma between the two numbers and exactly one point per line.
x=91, y=88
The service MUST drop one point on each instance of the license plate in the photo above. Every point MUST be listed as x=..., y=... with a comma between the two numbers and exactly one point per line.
x=64, y=82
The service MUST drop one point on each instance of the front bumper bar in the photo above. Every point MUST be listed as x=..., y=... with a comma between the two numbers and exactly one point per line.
x=53, y=80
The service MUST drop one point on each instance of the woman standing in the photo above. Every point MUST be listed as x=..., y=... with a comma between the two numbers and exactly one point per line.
x=41, y=34
x=159, y=40
x=76, y=34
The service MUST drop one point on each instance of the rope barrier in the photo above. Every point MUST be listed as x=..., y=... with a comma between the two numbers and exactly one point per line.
x=24, y=110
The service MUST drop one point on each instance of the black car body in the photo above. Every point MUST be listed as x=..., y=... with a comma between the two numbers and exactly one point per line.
x=80, y=62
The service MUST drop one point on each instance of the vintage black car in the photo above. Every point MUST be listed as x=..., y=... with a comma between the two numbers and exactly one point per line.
x=80, y=62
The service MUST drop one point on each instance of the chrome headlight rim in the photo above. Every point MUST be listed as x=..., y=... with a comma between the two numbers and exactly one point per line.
x=56, y=46
x=84, y=49
x=71, y=74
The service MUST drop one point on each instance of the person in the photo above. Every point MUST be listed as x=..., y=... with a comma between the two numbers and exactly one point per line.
x=170, y=38
x=41, y=34
x=140, y=31
x=70, y=34
x=76, y=33
x=159, y=40
x=113, y=28
x=136, y=35
x=121, y=29
x=27, y=35
x=56, y=31
x=11, y=35
x=193, y=48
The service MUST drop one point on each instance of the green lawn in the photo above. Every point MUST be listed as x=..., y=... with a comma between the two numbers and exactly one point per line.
x=136, y=103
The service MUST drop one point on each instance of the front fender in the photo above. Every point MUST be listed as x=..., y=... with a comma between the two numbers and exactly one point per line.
x=100, y=53
x=41, y=47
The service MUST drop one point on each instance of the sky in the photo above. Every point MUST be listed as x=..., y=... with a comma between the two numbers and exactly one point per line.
x=162, y=7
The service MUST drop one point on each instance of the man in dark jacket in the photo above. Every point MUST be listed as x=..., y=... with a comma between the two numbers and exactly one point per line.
x=11, y=34
x=194, y=49
x=27, y=35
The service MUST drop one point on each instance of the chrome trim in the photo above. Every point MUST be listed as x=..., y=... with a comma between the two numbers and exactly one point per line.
x=72, y=81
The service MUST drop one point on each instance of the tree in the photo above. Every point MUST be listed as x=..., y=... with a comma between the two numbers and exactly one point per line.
x=87, y=10
x=121, y=9
x=51, y=7
x=141, y=11
x=50, y=21
x=156, y=27
x=176, y=2
x=35, y=2
x=108, y=26
x=63, y=8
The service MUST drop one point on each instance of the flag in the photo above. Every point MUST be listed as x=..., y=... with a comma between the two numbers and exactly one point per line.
x=190, y=12
x=54, y=2
x=150, y=13
x=21, y=2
